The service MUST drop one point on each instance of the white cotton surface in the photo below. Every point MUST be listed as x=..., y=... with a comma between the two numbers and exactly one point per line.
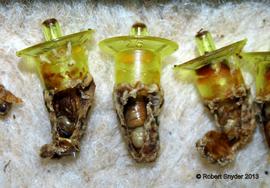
x=104, y=160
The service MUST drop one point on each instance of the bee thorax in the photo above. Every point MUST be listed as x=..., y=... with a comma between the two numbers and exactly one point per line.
x=65, y=127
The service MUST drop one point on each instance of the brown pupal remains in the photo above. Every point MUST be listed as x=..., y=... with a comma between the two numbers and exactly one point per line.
x=68, y=110
x=235, y=120
x=135, y=112
x=138, y=108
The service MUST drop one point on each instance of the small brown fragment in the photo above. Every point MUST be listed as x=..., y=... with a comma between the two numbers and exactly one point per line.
x=216, y=147
x=7, y=99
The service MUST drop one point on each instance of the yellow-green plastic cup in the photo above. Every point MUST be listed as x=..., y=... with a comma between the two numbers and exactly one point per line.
x=138, y=56
x=259, y=63
x=62, y=61
x=216, y=73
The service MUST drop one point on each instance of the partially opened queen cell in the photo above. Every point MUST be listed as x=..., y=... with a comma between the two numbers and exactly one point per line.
x=220, y=84
x=259, y=63
x=62, y=64
x=137, y=95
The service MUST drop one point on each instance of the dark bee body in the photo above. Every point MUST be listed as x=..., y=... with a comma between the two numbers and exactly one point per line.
x=68, y=110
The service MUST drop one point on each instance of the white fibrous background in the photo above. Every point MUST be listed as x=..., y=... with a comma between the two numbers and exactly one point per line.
x=104, y=160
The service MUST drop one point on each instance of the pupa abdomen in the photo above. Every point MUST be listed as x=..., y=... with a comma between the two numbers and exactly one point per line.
x=135, y=112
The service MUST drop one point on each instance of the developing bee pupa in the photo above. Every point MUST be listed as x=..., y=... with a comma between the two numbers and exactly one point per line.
x=218, y=78
x=62, y=63
x=259, y=64
x=7, y=99
x=137, y=94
